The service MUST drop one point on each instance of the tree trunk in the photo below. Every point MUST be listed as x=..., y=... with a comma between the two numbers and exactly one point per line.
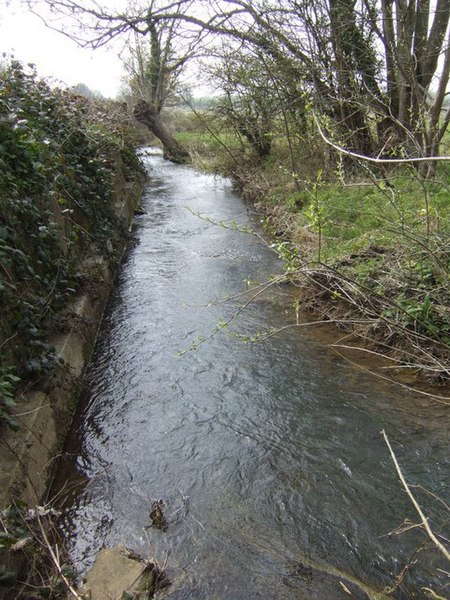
x=352, y=112
x=150, y=116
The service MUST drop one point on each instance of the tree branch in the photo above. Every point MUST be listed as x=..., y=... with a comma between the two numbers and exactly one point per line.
x=374, y=159
x=423, y=518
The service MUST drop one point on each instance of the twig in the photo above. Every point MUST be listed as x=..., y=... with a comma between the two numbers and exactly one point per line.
x=8, y=340
x=372, y=158
x=406, y=568
x=30, y=412
x=399, y=363
x=424, y=519
x=440, y=399
x=433, y=594
x=232, y=226
x=227, y=322
x=420, y=487
x=21, y=463
x=55, y=560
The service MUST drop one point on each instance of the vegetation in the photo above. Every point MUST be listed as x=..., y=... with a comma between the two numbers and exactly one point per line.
x=371, y=67
x=360, y=247
x=335, y=118
x=25, y=531
x=59, y=153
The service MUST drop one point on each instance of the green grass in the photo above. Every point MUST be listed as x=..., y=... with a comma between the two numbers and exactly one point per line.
x=351, y=218
x=206, y=141
x=390, y=237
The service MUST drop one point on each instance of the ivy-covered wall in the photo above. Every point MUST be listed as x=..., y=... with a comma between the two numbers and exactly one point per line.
x=61, y=156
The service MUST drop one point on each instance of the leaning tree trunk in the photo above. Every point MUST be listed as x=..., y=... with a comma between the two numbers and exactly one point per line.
x=149, y=115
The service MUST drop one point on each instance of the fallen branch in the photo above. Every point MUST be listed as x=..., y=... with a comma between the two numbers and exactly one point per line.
x=424, y=519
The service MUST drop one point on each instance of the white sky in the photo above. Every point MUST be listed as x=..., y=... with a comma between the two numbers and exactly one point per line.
x=25, y=36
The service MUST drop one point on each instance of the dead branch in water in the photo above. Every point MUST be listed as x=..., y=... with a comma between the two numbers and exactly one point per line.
x=424, y=520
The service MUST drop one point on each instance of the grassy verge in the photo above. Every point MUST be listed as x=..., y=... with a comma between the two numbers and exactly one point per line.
x=362, y=246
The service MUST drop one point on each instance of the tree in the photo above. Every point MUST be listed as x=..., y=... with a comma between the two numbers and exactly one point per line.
x=415, y=36
x=402, y=90
x=158, y=52
x=377, y=101
x=249, y=103
x=154, y=70
x=83, y=90
x=378, y=69
x=262, y=99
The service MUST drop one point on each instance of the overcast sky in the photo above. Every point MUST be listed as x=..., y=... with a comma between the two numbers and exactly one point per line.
x=25, y=36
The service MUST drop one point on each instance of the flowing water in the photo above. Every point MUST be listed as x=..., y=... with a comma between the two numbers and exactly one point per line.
x=275, y=479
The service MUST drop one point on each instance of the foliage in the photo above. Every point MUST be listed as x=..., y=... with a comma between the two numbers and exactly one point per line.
x=375, y=250
x=57, y=157
x=8, y=382
x=250, y=102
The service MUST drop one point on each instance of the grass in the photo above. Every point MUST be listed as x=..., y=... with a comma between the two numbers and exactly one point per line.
x=381, y=243
x=194, y=139
x=204, y=142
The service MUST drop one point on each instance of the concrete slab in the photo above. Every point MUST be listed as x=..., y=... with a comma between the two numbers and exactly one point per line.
x=118, y=575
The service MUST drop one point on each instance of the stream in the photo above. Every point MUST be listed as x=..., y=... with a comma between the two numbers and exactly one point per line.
x=275, y=478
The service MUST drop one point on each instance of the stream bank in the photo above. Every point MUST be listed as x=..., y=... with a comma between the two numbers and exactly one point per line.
x=383, y=283
x=367, y=250
x=70, y=181
x=45, y=412
x=28, y=455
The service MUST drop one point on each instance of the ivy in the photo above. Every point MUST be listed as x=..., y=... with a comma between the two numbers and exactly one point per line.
x=58, y=156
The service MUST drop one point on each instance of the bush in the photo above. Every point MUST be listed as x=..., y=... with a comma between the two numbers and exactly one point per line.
x=58, y=155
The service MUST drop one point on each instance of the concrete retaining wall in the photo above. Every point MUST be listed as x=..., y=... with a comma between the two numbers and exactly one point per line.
x=26, y=457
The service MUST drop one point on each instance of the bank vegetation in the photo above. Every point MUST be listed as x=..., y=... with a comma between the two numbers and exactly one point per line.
x=70, y=176
x=367, y=251
x=332, y=116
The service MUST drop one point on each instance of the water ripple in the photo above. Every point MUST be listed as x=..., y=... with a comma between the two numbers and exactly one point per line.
x=268, y=456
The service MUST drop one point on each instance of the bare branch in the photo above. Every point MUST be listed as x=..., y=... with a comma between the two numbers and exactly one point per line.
x=55, y=559
x=373, y=159
x=424, y=519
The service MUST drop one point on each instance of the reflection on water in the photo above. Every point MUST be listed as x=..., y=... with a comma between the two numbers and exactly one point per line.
x=268, y=456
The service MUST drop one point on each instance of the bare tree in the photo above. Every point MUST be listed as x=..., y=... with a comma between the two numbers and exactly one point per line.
x=416, y=41
x=158, y=52
x=378, y=69
x=154, y=68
